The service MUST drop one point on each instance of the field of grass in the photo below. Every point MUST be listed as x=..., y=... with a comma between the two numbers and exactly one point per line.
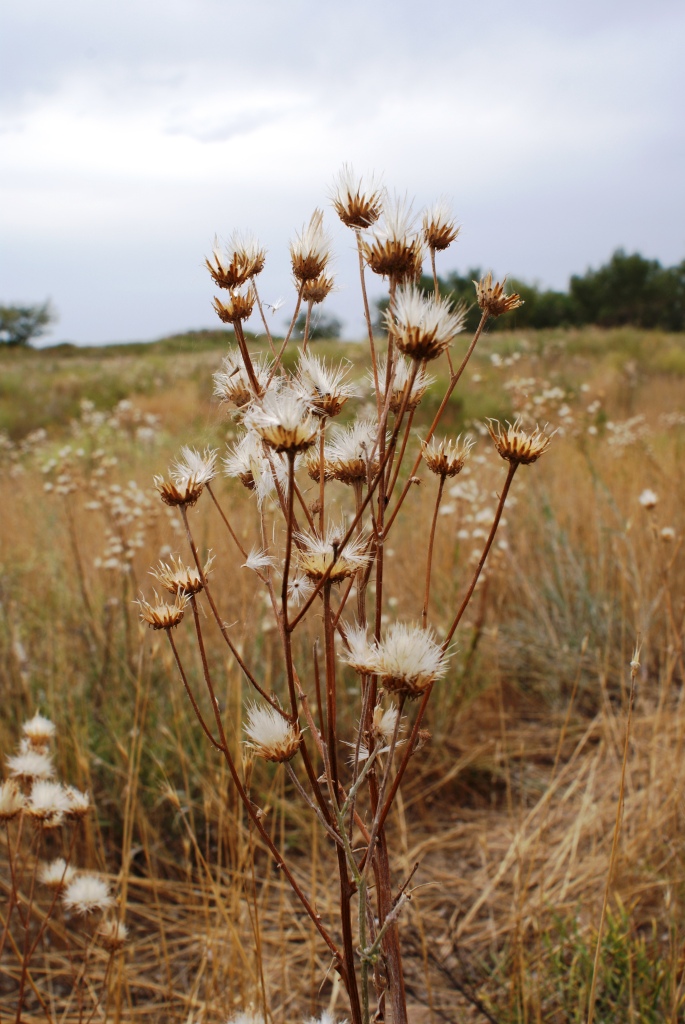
x=509, y=810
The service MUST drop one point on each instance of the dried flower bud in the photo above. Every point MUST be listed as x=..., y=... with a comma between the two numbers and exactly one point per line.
x=311, y=250
x=243, y=258
x=47, y=803
x=447, y=458
x=357, y=207
x=272, y=736
x=324, y=388
x=232, y=382
x=112, y=935
x=424, y=326
x=238, y=307
x=38, y=730
x=79, y=803
x=179, y=578
x=407, y=659
x=491, y=297
x=317, y=554
x=648, y=499
x=87, y=894
x=161, y=615
x=517, y=446
x=400, y=383
x=284, y=421
x=30, y=764
x=316, y=290
x=394, y=248
x=439, y=227
x=178, y=492
x=56, y=874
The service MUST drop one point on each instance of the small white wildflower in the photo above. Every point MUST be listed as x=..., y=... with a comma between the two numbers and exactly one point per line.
x=648, y=499
x=272, y=736
x=39, y=730
x=47, y=803
x=86, y=894
x=299, y=589
x=56, y=874
x=30, y=764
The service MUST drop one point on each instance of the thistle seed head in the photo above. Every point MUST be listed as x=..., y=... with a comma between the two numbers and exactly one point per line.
x=408, y=660
x=87, y=894
x=178, y=492
x=246, y=461
x=394, y=248
x=317, y=290
x=323, y=388
x=648, y=499
x=446, y=458
x=316, y=554
x=400, y=383
x=271, y=736
x=491, y=297
x=11, y=800
x=311, y=250
x=516, y=445
x=238, y=307
x=112, y=934
x=439, y=226
x=232, y=383
x=284, y=421
x=79, y=803
x=193, y=466
x=348, y=455
x=423, y=325
x=357, y=207
x=242, y=259
x=179, y=578
x=29, y=765
x=161, y=615
x=56, y=874
x=39, y=731
x=47, y=804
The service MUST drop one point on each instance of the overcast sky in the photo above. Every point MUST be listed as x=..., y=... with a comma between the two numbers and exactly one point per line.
x=133, y=131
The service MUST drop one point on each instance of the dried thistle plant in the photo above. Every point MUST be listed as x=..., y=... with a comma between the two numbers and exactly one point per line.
x=318, y=558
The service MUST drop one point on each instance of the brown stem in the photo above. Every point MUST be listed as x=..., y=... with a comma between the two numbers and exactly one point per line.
x=454, y=380
x=429, y=562
x=308, y=318
x=264, y=321
x=367, y=316
x=196, y=709
x=276, y=365
x=240, y=336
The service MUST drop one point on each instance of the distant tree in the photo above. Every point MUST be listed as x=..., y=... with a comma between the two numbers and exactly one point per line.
x=630, y=289
x=20, y=324
x=320, y=326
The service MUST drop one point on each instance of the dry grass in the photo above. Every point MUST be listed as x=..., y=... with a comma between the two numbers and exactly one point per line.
x=513, y=804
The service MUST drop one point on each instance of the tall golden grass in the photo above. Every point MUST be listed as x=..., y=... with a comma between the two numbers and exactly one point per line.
x=513, y=809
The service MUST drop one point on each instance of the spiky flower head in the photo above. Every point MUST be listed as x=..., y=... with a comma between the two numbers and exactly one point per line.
x=317, y=554
x=311, y=250
x=394, y=247
x=246, y=461
x=257, y=560
x=39, y=731
x=79, y=803
x=351, y=455
x=242, y=259
x=299, y=589
x=325, y=1018
x=400, y=383
x=316, y=290
x=179, y=578
x=47, y=803
x=491, y=297
x=324, y=388
x=112, y=934
x=11, y=800
x=87, y=894
x=161, y=615
x=30, y=764
x=517, y=445
x=191, y=465
x=232, y=382
x=238, y=307
x=384, y=724
x=271, y=736
x=439, y=226
x=284, y=421
x=406, y=660
x=424, y=326
x=446, y=458
x=56, y=874
x=181, y=492
x=357, y=206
